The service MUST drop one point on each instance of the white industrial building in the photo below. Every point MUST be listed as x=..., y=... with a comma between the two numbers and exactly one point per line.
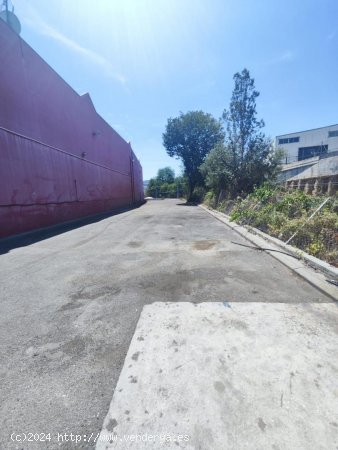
x=310, y=159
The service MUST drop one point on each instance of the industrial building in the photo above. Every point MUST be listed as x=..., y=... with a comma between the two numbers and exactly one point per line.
x=310, y=160
x=59, y=159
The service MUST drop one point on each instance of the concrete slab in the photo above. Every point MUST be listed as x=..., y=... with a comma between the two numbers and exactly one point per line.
x=228, y=376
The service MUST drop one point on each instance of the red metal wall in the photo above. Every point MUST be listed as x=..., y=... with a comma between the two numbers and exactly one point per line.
x=59, y=160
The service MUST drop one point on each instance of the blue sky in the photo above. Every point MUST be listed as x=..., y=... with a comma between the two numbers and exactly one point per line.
x=143, y=61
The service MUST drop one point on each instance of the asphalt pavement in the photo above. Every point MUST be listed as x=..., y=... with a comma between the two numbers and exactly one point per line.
x=70, y=304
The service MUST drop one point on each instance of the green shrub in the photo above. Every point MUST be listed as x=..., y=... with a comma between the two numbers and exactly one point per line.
x=281, y=214
x=209, y=199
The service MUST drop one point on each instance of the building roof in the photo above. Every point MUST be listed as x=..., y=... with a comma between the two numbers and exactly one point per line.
x=304, y=131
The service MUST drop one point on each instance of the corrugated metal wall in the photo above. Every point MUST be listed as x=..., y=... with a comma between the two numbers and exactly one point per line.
x=59, y=160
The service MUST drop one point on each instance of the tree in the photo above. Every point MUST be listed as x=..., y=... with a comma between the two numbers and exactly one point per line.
x=181, y=183
x=190, y=137
x=216, y=169
x=165, y=175
x=251, y=158
x=165, y=185
x=152, y=188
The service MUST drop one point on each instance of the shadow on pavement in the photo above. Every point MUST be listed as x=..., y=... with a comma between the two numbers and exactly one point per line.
x=187, y=204
x=31, y=237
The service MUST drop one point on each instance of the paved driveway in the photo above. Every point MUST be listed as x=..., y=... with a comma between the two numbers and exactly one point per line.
x=70, y=305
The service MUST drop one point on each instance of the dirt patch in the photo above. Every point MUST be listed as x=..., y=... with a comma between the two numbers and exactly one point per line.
x=204, y=245
x=94, y=291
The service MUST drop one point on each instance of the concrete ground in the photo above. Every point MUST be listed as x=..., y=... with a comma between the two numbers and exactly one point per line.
x=70, y=305
x=235, y=376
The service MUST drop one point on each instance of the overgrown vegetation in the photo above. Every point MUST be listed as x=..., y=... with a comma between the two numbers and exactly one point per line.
x=166, y=185
x=281, y=213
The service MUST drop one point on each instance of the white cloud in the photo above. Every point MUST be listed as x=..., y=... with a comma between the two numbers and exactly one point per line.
x=35, y=22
